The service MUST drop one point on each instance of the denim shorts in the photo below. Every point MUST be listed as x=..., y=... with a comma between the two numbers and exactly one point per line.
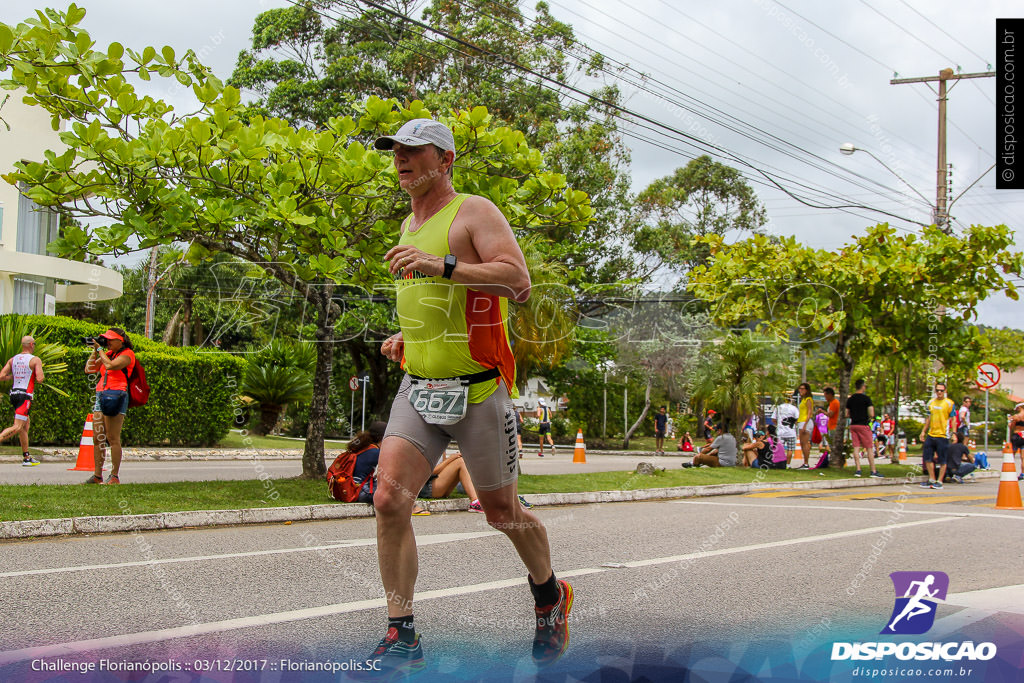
x=122, y=397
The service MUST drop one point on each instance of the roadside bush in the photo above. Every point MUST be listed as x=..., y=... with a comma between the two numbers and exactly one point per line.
x=190, y=403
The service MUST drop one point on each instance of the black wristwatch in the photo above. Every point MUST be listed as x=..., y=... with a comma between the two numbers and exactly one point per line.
x=449, y=266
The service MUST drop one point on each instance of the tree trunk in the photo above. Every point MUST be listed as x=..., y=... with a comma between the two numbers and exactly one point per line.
x=269, y=414
x=171, y=331
x=837, y=457
x=186, y=320
x=313, y=465
x=643, y=413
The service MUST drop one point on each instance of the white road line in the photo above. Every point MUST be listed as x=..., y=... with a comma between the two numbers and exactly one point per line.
x=129, y=639
x=778, y=544
x=1002, y=599
x=850, y=507
x=427, y=539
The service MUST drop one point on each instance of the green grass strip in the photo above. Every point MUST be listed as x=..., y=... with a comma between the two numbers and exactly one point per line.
x=45, y=501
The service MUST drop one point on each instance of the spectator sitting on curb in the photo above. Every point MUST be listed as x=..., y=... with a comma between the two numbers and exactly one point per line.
x=447, y=474
x=721, y=452
x=958, y=459
x=366, y=446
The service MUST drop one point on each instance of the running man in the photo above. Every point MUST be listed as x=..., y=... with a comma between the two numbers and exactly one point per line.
x=26, y=370
x=458, y=250
x=915, y=606
x=543, y=416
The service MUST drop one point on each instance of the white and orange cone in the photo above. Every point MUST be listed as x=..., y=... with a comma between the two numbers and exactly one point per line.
x=1008, y=497
x=86, y=461
x=579, y=453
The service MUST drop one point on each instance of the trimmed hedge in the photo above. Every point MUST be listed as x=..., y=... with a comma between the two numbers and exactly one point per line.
x=190, y=403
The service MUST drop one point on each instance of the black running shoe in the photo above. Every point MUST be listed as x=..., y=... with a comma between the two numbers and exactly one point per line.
x=552, y=637
x=393, y=659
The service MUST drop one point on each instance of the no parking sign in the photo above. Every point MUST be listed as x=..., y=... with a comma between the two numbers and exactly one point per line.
x=988, y=376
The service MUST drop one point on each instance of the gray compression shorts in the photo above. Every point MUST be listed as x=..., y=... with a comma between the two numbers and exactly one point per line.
x=486, y=436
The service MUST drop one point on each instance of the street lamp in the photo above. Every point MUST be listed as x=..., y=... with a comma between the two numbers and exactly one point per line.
x=848, y=149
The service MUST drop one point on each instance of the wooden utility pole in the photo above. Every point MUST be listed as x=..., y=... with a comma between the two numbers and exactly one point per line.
x=940, y=210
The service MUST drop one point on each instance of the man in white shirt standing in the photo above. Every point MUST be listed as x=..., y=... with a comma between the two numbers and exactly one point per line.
x=785, y=416
x=963, y=415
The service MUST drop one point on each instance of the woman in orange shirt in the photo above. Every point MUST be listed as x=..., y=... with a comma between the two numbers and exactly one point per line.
x=113, y=360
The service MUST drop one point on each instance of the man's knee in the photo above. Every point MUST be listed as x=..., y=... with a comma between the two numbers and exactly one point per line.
x=390, y=499
x=505, y=515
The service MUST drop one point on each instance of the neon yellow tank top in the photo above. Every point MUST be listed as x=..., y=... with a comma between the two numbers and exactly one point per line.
x=448, y=328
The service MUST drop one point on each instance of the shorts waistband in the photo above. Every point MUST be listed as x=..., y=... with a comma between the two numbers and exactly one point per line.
x=475, y=378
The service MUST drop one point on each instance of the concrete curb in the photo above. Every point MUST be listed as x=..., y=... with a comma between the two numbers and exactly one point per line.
x=30, y=528
x=70, y=454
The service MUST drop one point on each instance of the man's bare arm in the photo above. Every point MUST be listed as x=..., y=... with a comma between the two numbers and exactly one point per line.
x=502, y=269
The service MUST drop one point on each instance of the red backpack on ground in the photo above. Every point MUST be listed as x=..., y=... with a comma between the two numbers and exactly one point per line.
x=340, y=484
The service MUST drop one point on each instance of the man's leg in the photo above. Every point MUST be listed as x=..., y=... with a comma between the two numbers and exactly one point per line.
x=401, y=473
x=10, y=431
x=856, y=457
x=23, y=434
x=871, y=457
x=522, y=527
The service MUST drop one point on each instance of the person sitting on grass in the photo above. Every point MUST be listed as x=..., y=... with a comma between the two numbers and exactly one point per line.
x=686, y=443
x=753, y=449
x=721, y=452
x=775, y=457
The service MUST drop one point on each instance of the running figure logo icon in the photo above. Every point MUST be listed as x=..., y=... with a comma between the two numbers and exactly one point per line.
x=916, y=596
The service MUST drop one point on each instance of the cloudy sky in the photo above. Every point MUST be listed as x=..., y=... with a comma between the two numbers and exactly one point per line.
x=779, y=84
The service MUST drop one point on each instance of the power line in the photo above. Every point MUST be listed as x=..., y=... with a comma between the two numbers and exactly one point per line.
x=648, y=122
x=985, y=61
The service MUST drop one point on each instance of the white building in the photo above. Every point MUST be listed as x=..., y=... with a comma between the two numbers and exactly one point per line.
x=31, y=279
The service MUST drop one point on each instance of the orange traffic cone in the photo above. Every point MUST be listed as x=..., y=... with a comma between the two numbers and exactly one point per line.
x=579, y=454
x=798, y=454
x=1008, y=497
x=85, y=462
x=903, y=449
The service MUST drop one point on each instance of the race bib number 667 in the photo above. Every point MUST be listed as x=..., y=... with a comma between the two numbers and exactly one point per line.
x=439, y=401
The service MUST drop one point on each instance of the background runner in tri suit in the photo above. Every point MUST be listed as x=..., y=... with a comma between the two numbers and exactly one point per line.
x=25, y=370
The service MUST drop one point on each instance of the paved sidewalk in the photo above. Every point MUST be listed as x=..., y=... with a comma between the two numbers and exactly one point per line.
x=140, y=469
x=198, y=518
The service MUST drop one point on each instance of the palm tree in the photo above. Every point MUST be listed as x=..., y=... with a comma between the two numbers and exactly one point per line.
x=736, y=371
x=278, y=374
x=542, y=328
x=274, y=387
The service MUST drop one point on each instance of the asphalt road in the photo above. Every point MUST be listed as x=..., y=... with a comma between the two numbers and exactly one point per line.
x=141, y=471
x=762, y=583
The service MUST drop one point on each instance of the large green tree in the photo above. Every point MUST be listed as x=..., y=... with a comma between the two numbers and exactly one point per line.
x=312, y=208
x=882, y=293
x=701, y=199
x=313, y=60
x=734, y=372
